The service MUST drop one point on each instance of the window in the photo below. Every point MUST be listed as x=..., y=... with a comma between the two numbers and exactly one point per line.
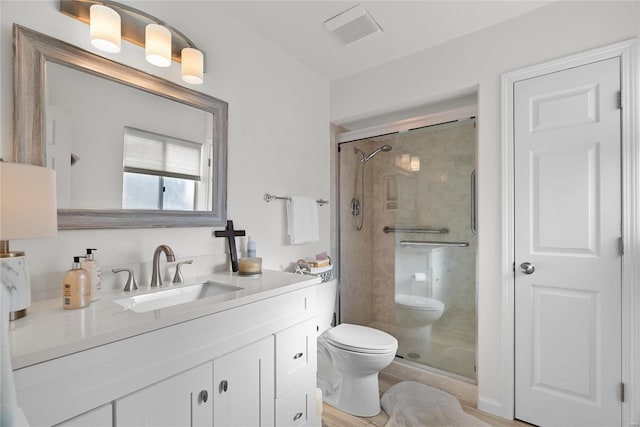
x=160, y=172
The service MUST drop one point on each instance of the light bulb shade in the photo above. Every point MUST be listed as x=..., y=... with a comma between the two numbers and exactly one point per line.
x=104, y=27
x=192, y=65
x=27, y=202
x=157, y=45
x=415, y=163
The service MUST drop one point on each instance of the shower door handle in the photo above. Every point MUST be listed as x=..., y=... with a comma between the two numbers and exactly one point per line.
x=474, y=229
x=527, y=268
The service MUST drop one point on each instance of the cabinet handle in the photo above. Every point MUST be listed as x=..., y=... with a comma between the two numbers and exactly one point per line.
x=224, y=385
x=203, y=396
x=298, y=356
x=297, y=416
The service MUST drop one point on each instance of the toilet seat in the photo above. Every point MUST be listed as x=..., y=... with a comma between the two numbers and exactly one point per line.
x=416, y=302
x=361, y=339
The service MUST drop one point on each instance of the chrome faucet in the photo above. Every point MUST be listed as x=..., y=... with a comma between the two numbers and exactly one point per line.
x=156, y=277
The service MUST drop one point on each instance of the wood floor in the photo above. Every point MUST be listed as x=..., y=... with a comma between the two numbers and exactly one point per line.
x=332, y=417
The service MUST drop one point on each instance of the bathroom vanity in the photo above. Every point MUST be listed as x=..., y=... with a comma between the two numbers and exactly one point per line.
x=243, y=357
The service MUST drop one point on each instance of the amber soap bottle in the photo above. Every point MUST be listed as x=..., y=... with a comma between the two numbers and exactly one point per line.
x=76, y=287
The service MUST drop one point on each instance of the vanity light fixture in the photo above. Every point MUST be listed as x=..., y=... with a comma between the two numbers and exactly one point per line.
x=104, y=24
x=192, y=65
x=110, y=21
x=157, y=45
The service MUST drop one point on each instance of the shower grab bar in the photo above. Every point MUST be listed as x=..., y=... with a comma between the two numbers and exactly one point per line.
x=433, y=243
x=473, y=202
x=416, y=230
x=270, y=197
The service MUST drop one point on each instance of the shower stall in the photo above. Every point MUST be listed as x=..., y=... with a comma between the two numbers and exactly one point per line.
x=408, y=242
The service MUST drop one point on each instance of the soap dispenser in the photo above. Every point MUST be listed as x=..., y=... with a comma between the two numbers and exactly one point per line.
x=76, y=287
x=93, y=268
x=251, y=247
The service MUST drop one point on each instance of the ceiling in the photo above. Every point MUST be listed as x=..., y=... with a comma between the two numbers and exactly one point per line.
x=408, y=27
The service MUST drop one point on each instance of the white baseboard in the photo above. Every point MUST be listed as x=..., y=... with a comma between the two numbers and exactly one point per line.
x=492, y=407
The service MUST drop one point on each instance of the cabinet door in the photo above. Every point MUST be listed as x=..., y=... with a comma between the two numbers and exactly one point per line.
x=182, y=400
x=298, y=407
x=295, y=355
x=98, y=417
x=243, y=383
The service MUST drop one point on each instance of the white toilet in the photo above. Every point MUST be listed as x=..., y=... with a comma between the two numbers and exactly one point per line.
x=414, y=317
x=349, y=358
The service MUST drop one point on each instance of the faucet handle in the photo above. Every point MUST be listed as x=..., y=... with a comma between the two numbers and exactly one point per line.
x=177, y=278
x=131, y=280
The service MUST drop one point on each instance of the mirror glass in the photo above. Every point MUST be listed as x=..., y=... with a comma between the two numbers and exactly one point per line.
x=129, y=149
x=117, y=147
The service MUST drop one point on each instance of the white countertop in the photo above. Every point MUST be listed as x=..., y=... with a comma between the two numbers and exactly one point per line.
x=48, y=331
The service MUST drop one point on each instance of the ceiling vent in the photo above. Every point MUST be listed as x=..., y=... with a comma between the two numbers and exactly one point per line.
x=352, y=24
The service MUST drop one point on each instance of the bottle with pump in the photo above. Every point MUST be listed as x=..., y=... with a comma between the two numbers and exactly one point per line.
x=93, y=268
x=76, y=287
x=251, y=247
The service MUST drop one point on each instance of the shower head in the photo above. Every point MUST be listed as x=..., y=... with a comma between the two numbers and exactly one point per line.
x=384, y=148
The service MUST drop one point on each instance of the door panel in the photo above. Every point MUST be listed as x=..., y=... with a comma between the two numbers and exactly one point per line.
x=243, y=384
x=171, y=402
x=567, y=225
x=565, y=211
x=571, y=343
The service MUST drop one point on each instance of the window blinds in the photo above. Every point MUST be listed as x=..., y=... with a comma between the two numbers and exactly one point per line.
x=154, y=154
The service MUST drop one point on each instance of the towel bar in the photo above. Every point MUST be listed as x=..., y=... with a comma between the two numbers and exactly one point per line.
x=269, y=197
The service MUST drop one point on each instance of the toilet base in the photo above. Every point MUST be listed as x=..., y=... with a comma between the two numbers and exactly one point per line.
x=357, y=396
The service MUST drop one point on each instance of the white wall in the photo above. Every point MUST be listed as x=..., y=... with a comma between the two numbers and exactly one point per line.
x=477, y=61
x=278, y=137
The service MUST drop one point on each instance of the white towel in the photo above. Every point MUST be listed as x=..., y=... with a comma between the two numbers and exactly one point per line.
x=302, y=220
x=10, y=414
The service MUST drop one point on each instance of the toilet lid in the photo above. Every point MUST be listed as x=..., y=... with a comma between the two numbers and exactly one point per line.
x=419, y=303
x=361, y=339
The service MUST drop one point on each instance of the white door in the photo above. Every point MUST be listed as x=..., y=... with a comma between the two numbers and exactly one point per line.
x=567, y=227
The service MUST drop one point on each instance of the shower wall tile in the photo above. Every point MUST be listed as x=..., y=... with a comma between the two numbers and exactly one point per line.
x=356, y=297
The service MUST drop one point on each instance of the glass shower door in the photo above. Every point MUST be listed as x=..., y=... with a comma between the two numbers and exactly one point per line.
x=430, y=192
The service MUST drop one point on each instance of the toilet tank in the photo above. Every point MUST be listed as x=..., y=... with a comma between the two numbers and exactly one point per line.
x=325, y=304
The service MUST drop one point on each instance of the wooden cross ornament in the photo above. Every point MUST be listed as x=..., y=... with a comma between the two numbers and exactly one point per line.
x=231, y=234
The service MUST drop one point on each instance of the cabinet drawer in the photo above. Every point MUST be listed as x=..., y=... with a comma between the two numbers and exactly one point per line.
x=297, y=408
x=295, y=355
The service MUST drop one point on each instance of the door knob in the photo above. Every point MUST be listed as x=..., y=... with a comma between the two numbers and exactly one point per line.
x=527, y=268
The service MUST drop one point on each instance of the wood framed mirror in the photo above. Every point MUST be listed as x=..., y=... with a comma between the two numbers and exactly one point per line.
x=36, y=57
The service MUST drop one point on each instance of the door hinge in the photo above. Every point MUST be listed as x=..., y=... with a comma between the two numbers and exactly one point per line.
x=620, y=99
x=622, y=392
x=621, y=246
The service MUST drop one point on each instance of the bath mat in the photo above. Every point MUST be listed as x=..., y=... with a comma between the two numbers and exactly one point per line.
x=411, y=404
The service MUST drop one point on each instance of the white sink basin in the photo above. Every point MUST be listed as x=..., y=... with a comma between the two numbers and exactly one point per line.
x=174, y=296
